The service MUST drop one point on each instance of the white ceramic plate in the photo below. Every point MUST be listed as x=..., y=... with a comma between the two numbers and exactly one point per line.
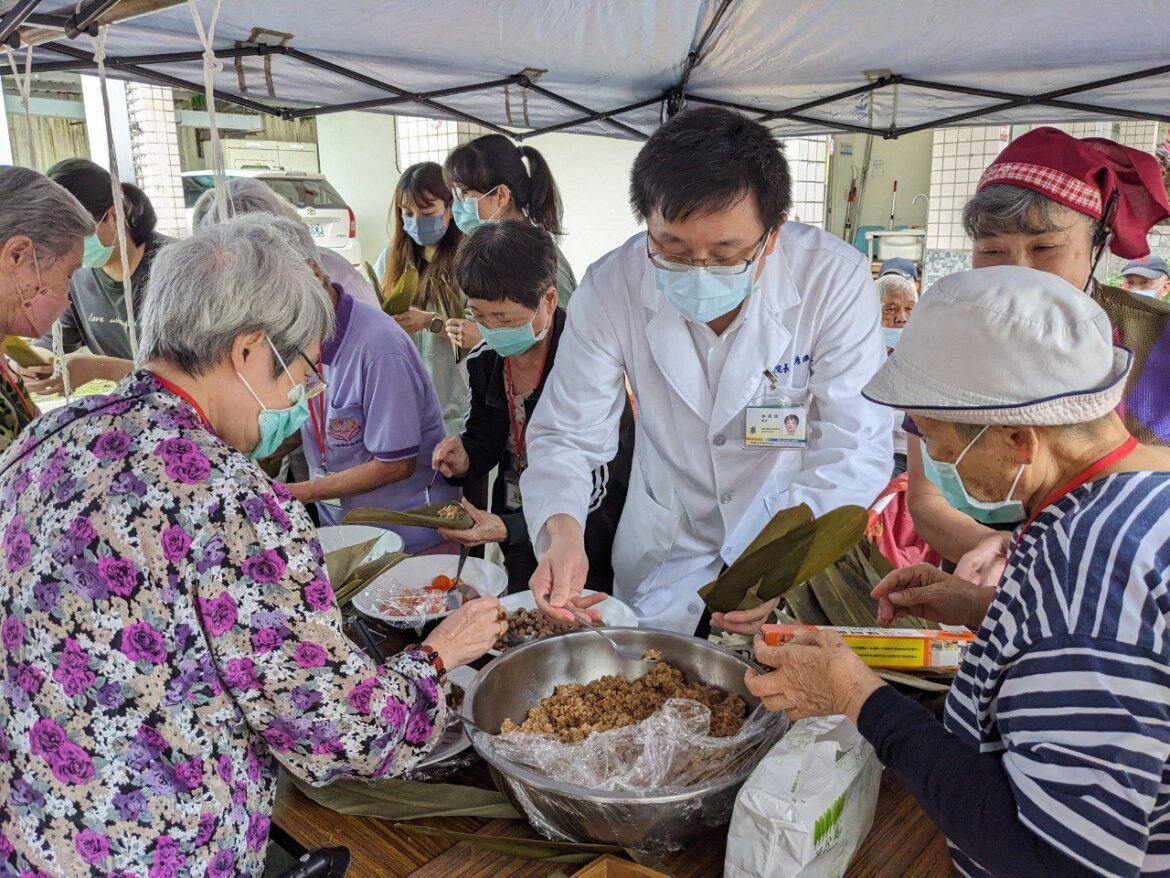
x=342, y=535
x=418, y=572
x=454, y=740
x=614, y=613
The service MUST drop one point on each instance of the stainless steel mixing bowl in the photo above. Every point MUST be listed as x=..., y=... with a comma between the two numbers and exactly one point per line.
x=509, y=686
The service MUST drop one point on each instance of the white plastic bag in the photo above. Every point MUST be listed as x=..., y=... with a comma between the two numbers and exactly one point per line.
x=807, y=806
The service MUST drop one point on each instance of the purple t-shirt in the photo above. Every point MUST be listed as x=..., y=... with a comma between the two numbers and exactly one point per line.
x=379, y=405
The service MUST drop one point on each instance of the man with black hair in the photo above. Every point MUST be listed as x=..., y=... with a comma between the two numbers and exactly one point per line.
x=725, y=319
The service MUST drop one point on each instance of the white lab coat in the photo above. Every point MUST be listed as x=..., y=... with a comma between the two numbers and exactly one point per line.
x=813, y=318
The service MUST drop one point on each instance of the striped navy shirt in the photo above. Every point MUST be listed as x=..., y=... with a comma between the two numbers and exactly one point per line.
x=1069, y=677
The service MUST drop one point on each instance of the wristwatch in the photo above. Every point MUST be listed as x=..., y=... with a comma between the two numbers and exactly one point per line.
x=437, y=324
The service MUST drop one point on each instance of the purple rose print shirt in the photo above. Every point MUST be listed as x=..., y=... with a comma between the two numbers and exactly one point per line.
x=167, y=635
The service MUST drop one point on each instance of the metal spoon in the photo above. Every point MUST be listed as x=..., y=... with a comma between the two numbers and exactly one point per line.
x=631, y=658
x=468, y=721
x=456, y=597
x=427, y=489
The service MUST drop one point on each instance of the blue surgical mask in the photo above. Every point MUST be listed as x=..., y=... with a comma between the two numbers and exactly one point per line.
x=510, y=341
x=701, y=295
x=891, y=336
x=97, y=254
x=276, y=425
x=425, y=230
x=465, y=211
x=946, y=477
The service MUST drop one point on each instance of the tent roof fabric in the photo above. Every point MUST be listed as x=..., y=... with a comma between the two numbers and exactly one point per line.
x=556, y=63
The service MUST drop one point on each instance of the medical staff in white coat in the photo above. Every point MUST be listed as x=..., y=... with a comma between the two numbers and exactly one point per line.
x=727, y=320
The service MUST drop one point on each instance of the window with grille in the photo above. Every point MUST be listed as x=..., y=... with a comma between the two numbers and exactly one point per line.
x=808, y=159
x=430, y=140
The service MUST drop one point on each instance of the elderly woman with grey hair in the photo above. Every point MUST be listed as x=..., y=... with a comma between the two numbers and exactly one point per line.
x=1055, y=203
x=168, y=626
x=42, y=234
x=249, y=195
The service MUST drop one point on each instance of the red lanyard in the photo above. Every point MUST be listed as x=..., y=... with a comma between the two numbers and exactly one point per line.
x=317, y=418
x=1122, y=451
x=185, y=396
x=518, y=433
x=14, y=383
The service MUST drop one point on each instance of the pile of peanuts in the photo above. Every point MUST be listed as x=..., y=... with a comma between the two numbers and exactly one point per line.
x=525, y=625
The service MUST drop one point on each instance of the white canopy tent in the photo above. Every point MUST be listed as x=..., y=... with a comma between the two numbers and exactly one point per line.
x=616, y=67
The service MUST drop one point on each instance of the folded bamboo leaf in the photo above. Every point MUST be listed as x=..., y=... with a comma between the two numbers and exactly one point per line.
x=811, y=548
x=402, y=799
x=806, y=546
x=365, y=574
x=523, y=848
x=727, y=591
x=425, y=516
x=399, y=299
x=341, y=563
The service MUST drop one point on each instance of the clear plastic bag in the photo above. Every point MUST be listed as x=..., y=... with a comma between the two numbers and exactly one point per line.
x=406, y=606
x=671, y=751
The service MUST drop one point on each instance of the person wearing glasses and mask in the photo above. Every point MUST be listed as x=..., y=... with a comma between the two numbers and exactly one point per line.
x=491, y=183
x=373, y=416
x=726, y=319
x=507, y=271
x=1055, y=203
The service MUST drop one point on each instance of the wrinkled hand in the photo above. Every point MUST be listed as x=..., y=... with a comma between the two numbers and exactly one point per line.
x=463, y=332
x=450, y=457
x=817, y=674
x=924, y=590
x=745, y=621
x=984, y=565
x=468, y=633
x=488, y=528
x=560, y=576
x=414, y=319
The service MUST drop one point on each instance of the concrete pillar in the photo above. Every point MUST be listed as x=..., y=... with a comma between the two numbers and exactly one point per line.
x=155, y=146
x=5, y=136
x=95, y=125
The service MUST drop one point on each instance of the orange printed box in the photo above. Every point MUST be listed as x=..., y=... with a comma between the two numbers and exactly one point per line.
x=894, y=648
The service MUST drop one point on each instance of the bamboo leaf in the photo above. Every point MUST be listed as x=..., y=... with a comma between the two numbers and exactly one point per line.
x=804, y=547
x=843, y=605
x=523, y=848
x=341, y=563
x=425, y=516
x=364, y=575
x=403, y=799
x=814, y=548
x=802, y=605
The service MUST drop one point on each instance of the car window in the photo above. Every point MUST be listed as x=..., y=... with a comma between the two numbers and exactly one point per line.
x=306, y=193
x=193, y=187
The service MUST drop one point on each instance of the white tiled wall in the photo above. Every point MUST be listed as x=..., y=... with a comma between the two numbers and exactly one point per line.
x=154, y=142
x=958, y=159
x=808, y=164
x=1139, y=135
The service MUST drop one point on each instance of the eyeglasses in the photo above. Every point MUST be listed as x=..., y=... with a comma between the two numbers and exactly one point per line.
x=315, y=383
x=726, y=265
x=460, y=193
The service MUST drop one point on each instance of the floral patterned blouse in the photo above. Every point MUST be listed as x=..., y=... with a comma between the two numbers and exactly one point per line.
x=167, y=633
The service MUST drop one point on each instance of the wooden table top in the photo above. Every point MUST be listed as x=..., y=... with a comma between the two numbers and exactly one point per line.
x=903, y=842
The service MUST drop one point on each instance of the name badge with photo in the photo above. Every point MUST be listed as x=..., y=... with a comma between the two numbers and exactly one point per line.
x=777, y=417
x=512, y=499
